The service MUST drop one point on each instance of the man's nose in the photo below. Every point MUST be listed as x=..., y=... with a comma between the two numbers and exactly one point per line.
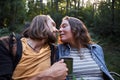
x=55, y=29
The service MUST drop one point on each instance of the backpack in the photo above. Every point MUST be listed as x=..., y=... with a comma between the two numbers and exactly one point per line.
x=16, y=58
x=8, y=61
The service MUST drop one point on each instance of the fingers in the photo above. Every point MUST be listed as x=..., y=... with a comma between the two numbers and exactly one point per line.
x=61, y=61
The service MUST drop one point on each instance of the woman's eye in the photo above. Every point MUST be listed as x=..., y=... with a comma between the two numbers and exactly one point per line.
x=64, y=26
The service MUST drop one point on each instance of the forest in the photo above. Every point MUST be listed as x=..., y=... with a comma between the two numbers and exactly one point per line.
x=102, y=18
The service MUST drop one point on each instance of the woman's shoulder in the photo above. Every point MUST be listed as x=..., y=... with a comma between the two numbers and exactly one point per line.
x=62, y=45
x=95, y=45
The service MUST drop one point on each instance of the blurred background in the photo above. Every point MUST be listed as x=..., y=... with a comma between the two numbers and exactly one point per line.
x=102, y=18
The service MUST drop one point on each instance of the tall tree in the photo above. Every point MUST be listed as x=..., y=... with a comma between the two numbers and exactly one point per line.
x=56, y=5
x=113, y=3
x=11, y=13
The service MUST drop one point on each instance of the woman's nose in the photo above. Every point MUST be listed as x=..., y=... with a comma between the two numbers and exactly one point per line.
x=60, y=30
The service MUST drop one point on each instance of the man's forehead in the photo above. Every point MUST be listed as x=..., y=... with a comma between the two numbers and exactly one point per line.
x=50, y=19
x=52, y=22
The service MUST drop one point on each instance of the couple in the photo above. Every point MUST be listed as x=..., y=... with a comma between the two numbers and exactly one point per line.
x=38, y=52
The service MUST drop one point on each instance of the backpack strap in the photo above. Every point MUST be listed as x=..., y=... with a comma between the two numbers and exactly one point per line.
x=18, y=54
x=53, y=53
x=18, y=51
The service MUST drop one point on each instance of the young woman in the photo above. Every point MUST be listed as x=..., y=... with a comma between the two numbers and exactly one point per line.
x=88, y=59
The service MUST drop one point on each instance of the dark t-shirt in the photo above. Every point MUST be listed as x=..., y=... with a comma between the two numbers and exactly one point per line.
x=6, y=63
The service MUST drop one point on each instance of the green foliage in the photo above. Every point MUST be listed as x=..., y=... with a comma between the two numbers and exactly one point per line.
x=102, y=18
x=87, y=16
x=4, y=31
x=57, y=18
x=112, y=57
x=12, y=12
x=106, y=25
x=99, y=20
x=34, y=9
x=74, y=78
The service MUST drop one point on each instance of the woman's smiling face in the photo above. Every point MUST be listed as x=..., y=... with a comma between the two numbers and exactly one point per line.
x=65, y=32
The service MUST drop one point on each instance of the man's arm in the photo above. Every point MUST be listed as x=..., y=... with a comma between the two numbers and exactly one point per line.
x=58, y=71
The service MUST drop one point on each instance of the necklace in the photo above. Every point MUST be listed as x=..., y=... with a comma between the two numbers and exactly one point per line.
x=30, y=45
x=34, y=45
